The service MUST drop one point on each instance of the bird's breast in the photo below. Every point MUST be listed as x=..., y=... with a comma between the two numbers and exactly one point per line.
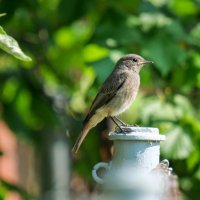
x=124, y=96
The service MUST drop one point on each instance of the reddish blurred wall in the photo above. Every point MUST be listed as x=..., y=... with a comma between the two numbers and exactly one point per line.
x=9, y=161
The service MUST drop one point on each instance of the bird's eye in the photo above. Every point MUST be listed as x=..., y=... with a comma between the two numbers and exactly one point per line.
x=134, y=60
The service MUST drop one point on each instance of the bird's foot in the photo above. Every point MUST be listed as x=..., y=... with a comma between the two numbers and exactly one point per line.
x=118, y=129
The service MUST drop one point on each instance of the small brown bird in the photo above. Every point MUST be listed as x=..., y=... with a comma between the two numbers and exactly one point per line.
x=116, y=94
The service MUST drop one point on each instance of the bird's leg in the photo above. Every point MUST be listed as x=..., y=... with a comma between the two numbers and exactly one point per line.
x=116, y=124
x=118, y=119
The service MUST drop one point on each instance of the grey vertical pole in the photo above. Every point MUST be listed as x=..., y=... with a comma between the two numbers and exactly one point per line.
x=128, y=177
x=55, y=168
x=60, y=170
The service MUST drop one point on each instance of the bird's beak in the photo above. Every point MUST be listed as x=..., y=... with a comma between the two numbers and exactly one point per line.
x=146, y=62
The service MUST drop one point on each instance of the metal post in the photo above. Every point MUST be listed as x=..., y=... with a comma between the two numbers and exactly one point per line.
x=128, y=177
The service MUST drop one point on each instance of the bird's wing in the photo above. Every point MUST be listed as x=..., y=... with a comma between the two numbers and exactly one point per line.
x=108, y=90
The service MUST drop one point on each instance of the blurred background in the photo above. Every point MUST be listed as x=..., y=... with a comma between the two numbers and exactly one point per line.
x=74, y=46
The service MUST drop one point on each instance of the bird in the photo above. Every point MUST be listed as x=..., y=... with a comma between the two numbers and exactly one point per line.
x=115, y=95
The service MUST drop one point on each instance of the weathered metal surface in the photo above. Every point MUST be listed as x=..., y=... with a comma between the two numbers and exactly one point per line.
x=136, y=154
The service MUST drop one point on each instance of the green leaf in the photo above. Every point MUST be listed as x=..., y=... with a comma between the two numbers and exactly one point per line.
x=193, y=160
x=197, y=174
x=2, y=14
x=94, y=52
x=195, y=33
x=112, y=35
x=184, y=7
x=157, y=110
x=7, y=186
x=103, y=68
x=10, y=45
x=2, y=31
x=178, y=144
x=149, y=20
x=164, y=56
x=3, y=192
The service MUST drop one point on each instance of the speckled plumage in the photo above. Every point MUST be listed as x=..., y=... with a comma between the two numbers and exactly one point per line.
x=116, y=94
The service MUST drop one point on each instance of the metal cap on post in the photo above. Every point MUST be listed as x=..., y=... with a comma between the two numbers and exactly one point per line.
x=136, y=154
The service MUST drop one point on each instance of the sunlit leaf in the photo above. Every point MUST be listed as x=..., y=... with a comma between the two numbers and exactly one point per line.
x=193, y=160
x=94, y=52
x=184, y=7
x=2, y=14
x=10, y=45
x=178, y=144
x=9, y=90
x=157, y=110
x=149, y=20
x=3, y=192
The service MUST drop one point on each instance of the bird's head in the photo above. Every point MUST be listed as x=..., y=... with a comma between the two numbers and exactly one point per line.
x=133, y=62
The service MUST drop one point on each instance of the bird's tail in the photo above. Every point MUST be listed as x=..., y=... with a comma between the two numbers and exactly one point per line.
x=80, y=139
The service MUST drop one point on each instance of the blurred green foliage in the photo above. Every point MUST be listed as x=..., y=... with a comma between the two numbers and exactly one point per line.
x=5, y=187
x=74, y=45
